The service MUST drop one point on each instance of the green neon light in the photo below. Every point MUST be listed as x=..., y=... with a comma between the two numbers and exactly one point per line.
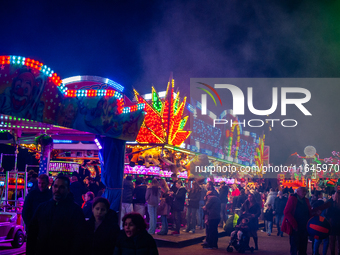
x=208, y=92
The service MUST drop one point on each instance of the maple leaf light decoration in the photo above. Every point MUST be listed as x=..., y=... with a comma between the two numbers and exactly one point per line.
x=163, y=122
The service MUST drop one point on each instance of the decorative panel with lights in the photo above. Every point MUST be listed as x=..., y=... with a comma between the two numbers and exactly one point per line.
x=227, y=142
x=164, y=122
x=31, y=90
x=63, y=166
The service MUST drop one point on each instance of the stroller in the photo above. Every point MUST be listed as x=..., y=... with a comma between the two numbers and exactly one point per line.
x=241, y=245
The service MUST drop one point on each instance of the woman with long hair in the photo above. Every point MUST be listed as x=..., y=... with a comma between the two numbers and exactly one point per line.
x=193, y=204
x=333, y=214
x=152, y=198
x=252, y=210
x=164, y=207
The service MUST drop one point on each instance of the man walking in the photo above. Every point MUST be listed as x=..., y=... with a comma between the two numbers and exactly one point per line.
x=296, y=215
x=178, y=205
x=213, y=209
x=224, y=200
x=58, y=226
x=78, y=190
x=279, y=205
x=174, y=180
x=174, y=189
x=126, y=198
x=35, y=197
x=139, y=195
x=200, y=212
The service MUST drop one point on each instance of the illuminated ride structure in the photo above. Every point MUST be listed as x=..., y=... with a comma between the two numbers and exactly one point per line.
x=311, y=171
x=165, y=144
x=88, y=117
x=155, y=152
x=37, y=107
x=231, y=152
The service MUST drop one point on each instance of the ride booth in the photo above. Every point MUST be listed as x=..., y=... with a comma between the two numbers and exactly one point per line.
x=35, y=103
x=158, y=150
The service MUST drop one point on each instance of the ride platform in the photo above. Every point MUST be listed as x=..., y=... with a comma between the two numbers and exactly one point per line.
x=183, y=239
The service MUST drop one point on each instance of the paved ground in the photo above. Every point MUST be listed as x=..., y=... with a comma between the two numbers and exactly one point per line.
x=268, y=245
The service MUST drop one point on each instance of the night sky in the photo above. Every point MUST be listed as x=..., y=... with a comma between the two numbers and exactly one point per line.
x=139, y=43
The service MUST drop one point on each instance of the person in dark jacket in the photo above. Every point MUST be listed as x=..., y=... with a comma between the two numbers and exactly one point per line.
x=268, y=217
x=224, y=200
x=285, y=190
x=317, y=242
x=201, y=203
x=213, y=210
x=78, y=190
x=333, y=214
x=296, y=215
x=134, y=239
x=103, y=229
x=35, y=198
x=211, y=187
x=318, y=201
x=91, y=185
x=290, y=190
x=139, y=195
x=178, y=205
x=253, y=209
x=173, y=189
x=174, y=180
x=33, y=178
x=84, y=171
x=58, y=225
x=193, y=204
x=87, y=208
x=279, y=205
x=94, y=187
x=127, y=197
x=257, y=196
x=241, y=199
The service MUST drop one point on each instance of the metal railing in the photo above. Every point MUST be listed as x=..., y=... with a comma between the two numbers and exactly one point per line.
x=5, y=179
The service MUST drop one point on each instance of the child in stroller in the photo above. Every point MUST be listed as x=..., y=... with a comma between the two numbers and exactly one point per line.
x=239, y=238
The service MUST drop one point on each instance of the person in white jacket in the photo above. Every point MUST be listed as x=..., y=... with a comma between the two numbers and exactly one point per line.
x=271, y=199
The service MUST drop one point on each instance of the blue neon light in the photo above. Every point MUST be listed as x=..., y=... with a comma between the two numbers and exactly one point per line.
x=107, y=81
x=62, y=141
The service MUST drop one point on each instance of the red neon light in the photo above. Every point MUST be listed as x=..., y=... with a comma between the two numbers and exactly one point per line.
x=30, y=63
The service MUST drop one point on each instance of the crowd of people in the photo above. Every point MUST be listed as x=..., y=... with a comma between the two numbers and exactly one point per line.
x=81, y=221
x=204, y=206
x=56, y=224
